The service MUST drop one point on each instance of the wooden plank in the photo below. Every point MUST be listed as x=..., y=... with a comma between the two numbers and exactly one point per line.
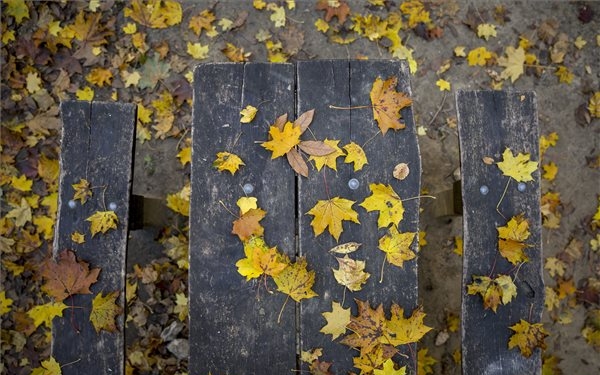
x=233, y=323
x=343, y=83
x=97, y=145
x=490, y=121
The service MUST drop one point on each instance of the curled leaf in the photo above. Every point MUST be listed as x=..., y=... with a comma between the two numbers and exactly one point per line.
x=351, y=273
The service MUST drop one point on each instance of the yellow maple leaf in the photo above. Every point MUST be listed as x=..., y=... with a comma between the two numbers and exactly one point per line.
x=502, y=289
x=594, y=105
x=443, y=84
x=511, y=239
x=396, y=246
x=130, y=79
x=180, y=201
x=82, y=191
x=202, y=21
x=102, y=221
x=227, y=161
x=48, y=367
x=337, y=320
x=33, y=82
x=328, y=160
x=21, y=213
x=387, y=103
x=99, y=77
x=5, y=303
x=104, y=311
x=459, y=51
x=45, y=226
x=512, y=63
x=17, y=9
x=486, y=30
x=351, y=273
x=235, y=54
x=43, y=314
x=260, y=259
x=248, y=224
x=246, y=204
x=547, y=141
x=282, y=141
x=130, y=28
x=248, y=114
x=564, y=75
x=388, y=369
x=479, y=56
x=157, y=14
x=259, y=4
x=555, y=266
x=527, y=337
x=519, y=167
x=330, y=214
x=197, y=50
x=296, y=281
x=78, y=237
x=550, y=171
x=143, y=114
x=85, y=94
x=384, y=199
x=278, y=15
x=21, y=183
x=399, y=330
x=48, y=169
x=355, y=154
x=425, y=362
x=321, y=25
x=185, y=155
x=181, y=306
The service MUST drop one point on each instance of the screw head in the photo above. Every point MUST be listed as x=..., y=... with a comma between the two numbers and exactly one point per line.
x=484, y=190
x=72, y=204
x=521, y=187
x=353, y=183
x=112, y=206
x=248, y=188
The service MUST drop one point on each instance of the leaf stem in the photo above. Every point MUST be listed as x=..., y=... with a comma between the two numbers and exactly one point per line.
x=282, y=307
x=382, y=265
x=417, y=197
x=350, y=108
x=502, y=198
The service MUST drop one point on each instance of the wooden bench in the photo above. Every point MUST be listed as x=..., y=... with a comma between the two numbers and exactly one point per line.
x=239, y=326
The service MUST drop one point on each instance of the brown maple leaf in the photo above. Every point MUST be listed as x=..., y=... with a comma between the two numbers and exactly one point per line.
x=341, y=11
x=367, y=328
x=387, y=103
x=67, y=276
x=248, y=224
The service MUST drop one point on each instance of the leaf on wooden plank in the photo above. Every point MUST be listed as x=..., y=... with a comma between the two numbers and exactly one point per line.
x=320, y=368
x=82, y=191
x=282, y=141
x=388, y=369
x=248, y=114
x=248, y=225
x=367, y=328
x=527, y=336
x=227, y=161
x=520, y=167
x=396, y=246
x=296, y=281
x=102, y=222
x=374, y=359
x=304, y=120
x=329, y=159
x=309, y=356
x=400, y=330
x=67, y=276
x=48, y=367
x=511, y=239
x=43, y=314
x=260, y=259
x=345, y=248
x=337, y=320
x=494, y=292
x=246, y=204
x=104, y=311
x=387, y=103
x=316, y=148
x=330, y=214
x=384, y=199
x=355, y=154
x=351, y=273
x=297, y=162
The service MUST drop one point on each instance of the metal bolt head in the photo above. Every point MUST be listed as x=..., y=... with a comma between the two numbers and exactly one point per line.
x=112, y=206
x=484, y=190
x=521, y=186
x=248, y=188
x=353, y=183
x=72, y=204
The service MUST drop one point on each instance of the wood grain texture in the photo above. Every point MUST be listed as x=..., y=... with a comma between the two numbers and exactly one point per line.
x=97, y=145
x=348, y=83
x=233, y=323
x=488, y=123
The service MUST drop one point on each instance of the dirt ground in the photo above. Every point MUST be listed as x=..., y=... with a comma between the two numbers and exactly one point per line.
x=562, y=109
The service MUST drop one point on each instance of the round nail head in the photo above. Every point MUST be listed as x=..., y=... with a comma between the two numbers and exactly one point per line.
x=112, y=206
x=353, y=184
x=521, y=186
x=248, y=188
x=484, y=189
x=72, y=204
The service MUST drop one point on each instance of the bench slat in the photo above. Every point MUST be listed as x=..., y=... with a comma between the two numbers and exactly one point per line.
x=233, y=323
x=97, y=145
x=343, y=83
x=490, y=121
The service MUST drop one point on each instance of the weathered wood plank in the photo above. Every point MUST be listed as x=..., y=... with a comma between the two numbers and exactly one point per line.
x=97, y=145
x=233, y=323
x=343, y=83
x=488, y=123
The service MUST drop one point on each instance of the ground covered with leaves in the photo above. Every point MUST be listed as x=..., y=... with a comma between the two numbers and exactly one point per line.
x=144, y=52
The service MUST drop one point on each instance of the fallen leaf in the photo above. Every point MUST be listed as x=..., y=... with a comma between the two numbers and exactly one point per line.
x=48, y=367
x=21, y=213
x=248, y=114
x=197, y=50
x=82, y=191
x=158, y=14
x=384, y=199
x=202, y=21
x=104, y=311
x=555, y=267
x=355, y=154
x=67, y=276
x=340, y=11
x=387, y=103
x=550, y=171
x=18, y=9
x=401, y=171
x=345, y=248
x=564, y=75
x=185, y=155
x=388, y=369
x=443, y=84
x=511, y=239
x=486, y=30
x=502, y=289
x=100, y=77
x=337, y=320
x=246, y=204
x=102, y=221
x=527, y=337
x=425, y=362
x=351, y=273
x=282, y=141
x=296, y=281
x=478, y=56
x=78, y=237
x=367, y=328
x=226, y=161
x=329, y=159
x=5, y=303
x=330, y=214
x=297, y=162
x=153, y=71
x=512, y=63
x=316, y=148
x=235, y=54
x=309, y=356
x=594, y=105
x=260, y=259
x=248, y=224
x=278, y=15
x=396, y=246
x=21, y=183
x=43, y=314
x=400, y=330
x=519, y=167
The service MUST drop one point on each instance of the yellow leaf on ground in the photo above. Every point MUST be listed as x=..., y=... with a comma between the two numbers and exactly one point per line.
x=425, y=362
x=550, y=171
x=197, y=50
x=17, y=9
x=104, y=311
x=519, y=167
x=21, y=183
x=282, y=141
x=384, y=199
x=527, y=337
x=321, y=25
x=5, y=303
x=180, y=201
x=351, y=273
x=355, y=154
x=443, y=84
x=479, y=56
x=48, y=367
x=78, y=237
x=296, y=281
x=502, y=289
x=511, y=239
x=202, y=21
x=21, y=213
x=185, y=155
x=85, y=94
x=594, y=105
x=259, y=4
x=337, y=320
x=82, y=191
x=102, y=221
x=157, y=14
x=48, y=169
x=512, y=63
x=396, y=246
x=43, y=314
x=45, y=226
x=235, y=54
x=388, y=369
x=278, y=15
x=227, y=161
x=400, y=331
x=387, y=103
x=564, y=75
x=330, y=214
x=328, y=160
x=459, y=51
x=143, y=114
x=33, y=82
x=547, y=141
x=130, y=28
x=555, y=266
x=181, y=306
x=100, y=77
x=486, y=30
x=248, y=114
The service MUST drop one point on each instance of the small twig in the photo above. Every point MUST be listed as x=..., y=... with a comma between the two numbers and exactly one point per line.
x=370, y=139
x=382, y=265
x=502, y=197
x=181, y=138
x=70, y=363
x=438, y=110
x=417, y=197
x=228, y=210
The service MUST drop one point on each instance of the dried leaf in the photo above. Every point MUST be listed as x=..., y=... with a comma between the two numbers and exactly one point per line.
x=493, y=291
x=297, y=162
x=316, y=148
x=330, y=214
x=512, y=63
x=367, y=328
x=355, y=154
x=226, y=161
x=248, y=114
x=388, y=369
x=158, y=14
x=519, y=167
x=260, y=259
x=282, y=141
x=104, y=311
x=340, y=11
x=82, y=191
x=296, y=281
x=387, y=103
x=304, y=120
x=396, y=246
x=248, y=224
x=401, y=171
x=511, y=239
x=400, y=330
x=67, y=276
x=329, y=159
x=345, y=248
x=351, y=273
x=48, y=367
x=527, y=337
x=337, y=320
x=102, y=221
x=384, y=199
x=43, y=314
